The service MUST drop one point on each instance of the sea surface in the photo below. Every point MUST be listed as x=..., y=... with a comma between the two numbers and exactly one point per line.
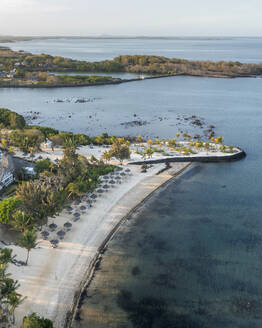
x=191, y=256
x=246, y=49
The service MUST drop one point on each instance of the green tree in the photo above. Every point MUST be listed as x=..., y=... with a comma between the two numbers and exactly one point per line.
x=149, y=152
x=120, y=150
x=21, y=221
x=10, y=119
x=70, y=165
x=7, y=208
x=9, y=298
x=28, y=241
x=107, y=156
x=44, y=165
x=35, y=321
x=41, y=198
x=6, y=256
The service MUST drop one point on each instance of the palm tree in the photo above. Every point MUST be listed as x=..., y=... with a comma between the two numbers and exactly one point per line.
x=21, y=221
x=8, y=286
x=28, y=241
x=107, y=156
x=139, y=139
x=14, y=300
x=6, y=257
x=74, y=189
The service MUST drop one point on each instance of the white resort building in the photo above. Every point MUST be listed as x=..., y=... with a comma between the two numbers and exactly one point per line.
x=6, y=171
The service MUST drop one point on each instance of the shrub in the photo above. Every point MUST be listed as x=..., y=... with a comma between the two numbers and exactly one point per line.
x=7, y=207
x=11, y=120
x=43, y=165
x=34, y=321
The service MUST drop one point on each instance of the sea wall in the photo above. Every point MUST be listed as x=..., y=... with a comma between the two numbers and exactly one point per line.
x=202, y=159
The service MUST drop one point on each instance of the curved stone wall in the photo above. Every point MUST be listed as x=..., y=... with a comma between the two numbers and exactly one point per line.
x=202, y=159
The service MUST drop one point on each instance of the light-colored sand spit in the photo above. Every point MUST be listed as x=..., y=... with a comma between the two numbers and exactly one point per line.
x=54, y=275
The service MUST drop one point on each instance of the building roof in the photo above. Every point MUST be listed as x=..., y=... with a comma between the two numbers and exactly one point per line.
x=6, y=165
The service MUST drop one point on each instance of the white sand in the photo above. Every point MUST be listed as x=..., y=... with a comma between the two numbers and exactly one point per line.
x=54, y=275
x=97, y=152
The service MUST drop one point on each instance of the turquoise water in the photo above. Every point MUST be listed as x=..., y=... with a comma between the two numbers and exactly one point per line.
x=191, y=256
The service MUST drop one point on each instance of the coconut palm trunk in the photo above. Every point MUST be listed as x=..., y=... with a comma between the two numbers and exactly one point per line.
x=27, y=257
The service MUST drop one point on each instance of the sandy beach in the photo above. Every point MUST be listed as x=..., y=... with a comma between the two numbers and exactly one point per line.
x=54, y=277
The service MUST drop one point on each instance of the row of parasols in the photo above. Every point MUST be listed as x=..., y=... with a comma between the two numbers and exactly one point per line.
x=109, y=180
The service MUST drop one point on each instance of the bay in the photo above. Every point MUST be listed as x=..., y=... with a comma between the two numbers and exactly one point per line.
x=192, y=253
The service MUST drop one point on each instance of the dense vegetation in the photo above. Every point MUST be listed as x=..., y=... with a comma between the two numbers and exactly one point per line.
x=27, y=64
x=34, y=321
x=83, y=79
x=43, y=79
x=47, y=193
x=163, y=65
x=10, y=119
x=15, y=133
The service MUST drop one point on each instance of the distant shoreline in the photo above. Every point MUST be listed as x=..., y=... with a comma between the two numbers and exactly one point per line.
x=10, y=39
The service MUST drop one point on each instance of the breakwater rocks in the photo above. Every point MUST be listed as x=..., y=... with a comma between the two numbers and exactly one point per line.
x=201, y=159
x=74, y=100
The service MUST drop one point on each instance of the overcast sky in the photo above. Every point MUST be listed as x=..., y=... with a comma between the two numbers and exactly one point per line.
x=131, y=17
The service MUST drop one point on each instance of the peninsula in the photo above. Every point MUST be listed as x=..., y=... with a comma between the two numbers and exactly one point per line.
x=20, y=69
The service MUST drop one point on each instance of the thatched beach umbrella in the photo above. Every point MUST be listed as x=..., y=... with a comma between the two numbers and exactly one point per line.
x=52, y=226
x=68, y=225
x=76, y=218
x=122, y=174
x=105, y=177
x=82, y=208
x=106, y=186
x=127, y=170
x=45, y=233
x=118, y=178
x=54, y=243
x=112, y=182
x=76, y=214
x=93, y=196
x=100, y=191
x=61, y=234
